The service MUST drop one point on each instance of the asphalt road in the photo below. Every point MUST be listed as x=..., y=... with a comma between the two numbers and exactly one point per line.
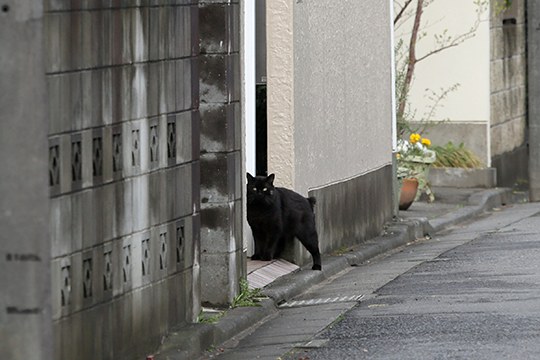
x=479, y=300
x=471, y=292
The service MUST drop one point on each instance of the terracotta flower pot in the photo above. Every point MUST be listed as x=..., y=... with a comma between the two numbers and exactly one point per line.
x=407, y=194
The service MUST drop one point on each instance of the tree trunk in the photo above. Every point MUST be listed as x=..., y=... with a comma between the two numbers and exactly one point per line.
x=411, y=61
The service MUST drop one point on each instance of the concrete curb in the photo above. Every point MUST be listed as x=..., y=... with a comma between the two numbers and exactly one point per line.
x=478, y=203
x=191, y=341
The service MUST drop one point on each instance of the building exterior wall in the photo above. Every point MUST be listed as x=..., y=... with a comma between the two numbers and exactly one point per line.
x=25, y=307
x=342, y=90
x=222, y=257
x=122, y=81
x=465, y=111
x=508, y=94
x=330, y=109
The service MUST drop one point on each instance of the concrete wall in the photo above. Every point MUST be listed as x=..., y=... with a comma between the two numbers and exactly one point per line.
x=122, y=81
x=466, y=111
x=330, y=109
x=342, y=90
x=222, y=256
x=508, y=94
x=25, y=307
x=533, y=83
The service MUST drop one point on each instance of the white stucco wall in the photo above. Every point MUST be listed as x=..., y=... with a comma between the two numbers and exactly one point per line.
x=329, y=106
x=467, y=64
x=280, y=94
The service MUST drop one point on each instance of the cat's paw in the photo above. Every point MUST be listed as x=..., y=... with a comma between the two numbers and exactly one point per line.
x=316, y=267
x=255, y=257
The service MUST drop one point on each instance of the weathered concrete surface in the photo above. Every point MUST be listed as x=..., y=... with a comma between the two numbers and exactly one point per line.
x=508, y=82
x=468, y=293
x=463, y=178
x=25, y=303
x=222, y=257
x=533, y=49
x=123, y=84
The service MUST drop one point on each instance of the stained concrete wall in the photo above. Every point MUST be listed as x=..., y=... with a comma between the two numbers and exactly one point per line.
x=25, y=308
x=222, y=257
x=509, y=94
x=533, y=82
x=330, y=111
x=122, y=81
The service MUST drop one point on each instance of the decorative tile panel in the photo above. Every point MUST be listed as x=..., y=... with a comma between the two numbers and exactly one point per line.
x=117, y=162
x=163, y=251
x=126, y=266
x=180, y=240
x=65, y=290
x=135, y=148
x=97, y=158
x=76, y=161
x=171, y=141
x=107, y=271
x=153, y=143
x=54, y=167
x=87, y=278
x=145, y=254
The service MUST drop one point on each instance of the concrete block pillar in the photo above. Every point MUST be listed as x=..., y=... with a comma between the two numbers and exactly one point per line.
x=222, y=259
x=25, y=311
x=533, y=46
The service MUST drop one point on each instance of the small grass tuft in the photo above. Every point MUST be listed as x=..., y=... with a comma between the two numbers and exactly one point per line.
x=207, y=318
x=247, y=296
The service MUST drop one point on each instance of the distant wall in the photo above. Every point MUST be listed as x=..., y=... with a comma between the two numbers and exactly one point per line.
x=465, y=112
x=509, y=94
x=122, y=82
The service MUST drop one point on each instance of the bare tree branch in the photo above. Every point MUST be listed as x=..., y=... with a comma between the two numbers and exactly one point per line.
x=400, y=14
x=412, y=59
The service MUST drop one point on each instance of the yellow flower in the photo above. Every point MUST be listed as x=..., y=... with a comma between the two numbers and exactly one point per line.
x=414, y=138
x=426, y=142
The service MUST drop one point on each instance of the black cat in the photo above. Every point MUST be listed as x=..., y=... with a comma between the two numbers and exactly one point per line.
x=277, y=215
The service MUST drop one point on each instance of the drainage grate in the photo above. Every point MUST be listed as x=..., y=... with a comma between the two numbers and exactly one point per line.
x=311, y=302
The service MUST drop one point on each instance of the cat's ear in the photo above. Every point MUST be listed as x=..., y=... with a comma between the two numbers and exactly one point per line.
x=270, y=179
x=250, y=177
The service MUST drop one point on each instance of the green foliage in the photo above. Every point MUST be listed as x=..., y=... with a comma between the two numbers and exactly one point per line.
x=206, y=318
x=459, y=156
x=247, y=296
x=502, y=5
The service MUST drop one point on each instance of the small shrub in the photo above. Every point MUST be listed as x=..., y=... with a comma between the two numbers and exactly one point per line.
x=451, y=155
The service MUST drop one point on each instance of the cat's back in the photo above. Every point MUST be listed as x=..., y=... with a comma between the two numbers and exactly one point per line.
x=294, y=200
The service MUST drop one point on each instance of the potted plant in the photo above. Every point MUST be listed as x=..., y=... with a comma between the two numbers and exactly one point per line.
x=414, y=159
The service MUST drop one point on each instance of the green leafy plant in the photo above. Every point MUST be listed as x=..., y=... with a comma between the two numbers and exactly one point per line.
x=247, y=296
x=459, y=156
x=206, y=318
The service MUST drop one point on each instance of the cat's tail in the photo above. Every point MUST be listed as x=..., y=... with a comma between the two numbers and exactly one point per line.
x=312, y=202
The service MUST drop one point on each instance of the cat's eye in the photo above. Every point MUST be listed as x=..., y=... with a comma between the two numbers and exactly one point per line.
x=265, y=189
x=254, y=189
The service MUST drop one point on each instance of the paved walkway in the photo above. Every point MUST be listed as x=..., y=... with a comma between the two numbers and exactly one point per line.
x=281, y=324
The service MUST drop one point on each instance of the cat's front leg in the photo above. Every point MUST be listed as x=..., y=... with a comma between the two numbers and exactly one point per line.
x=258, y=241
x=273, y=246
